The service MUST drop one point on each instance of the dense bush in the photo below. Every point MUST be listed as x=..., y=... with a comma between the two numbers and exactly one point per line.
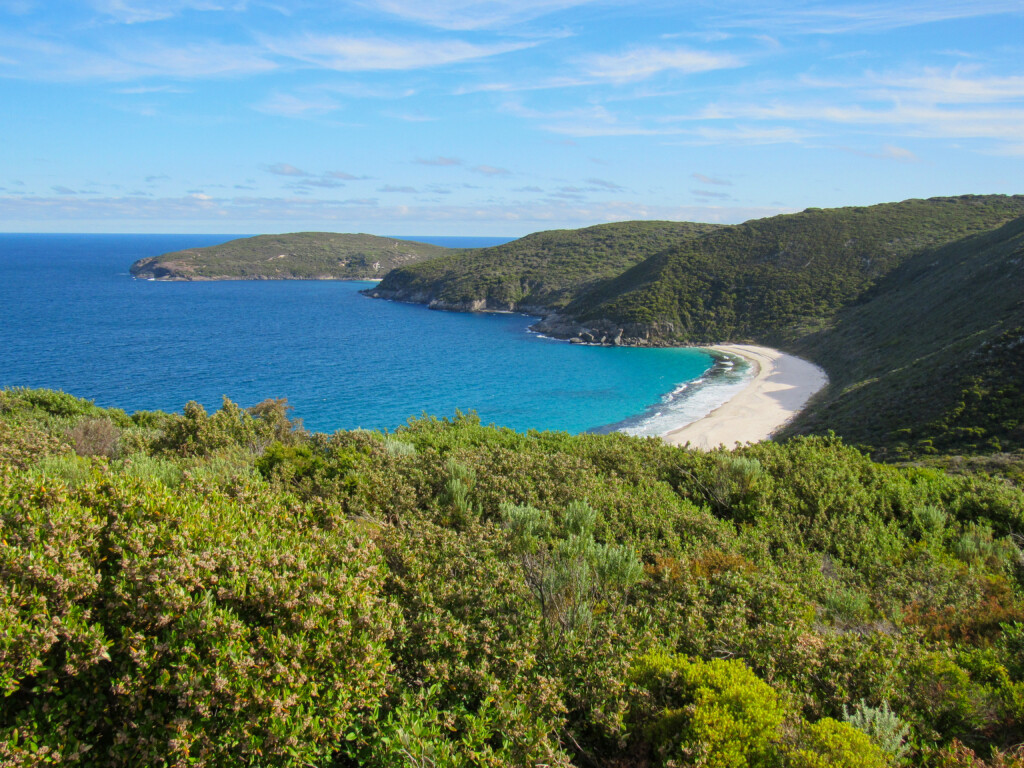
x=235, y=591
x=149, y=628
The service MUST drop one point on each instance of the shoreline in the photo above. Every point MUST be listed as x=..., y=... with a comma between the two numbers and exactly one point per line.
x=779, y=389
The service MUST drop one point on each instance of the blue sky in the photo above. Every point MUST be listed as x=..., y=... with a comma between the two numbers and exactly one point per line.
x=496, y=117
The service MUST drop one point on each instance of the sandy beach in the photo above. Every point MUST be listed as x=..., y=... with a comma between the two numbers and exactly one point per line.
x=780, y=388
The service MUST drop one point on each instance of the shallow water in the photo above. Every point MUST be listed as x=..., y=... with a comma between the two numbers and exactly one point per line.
x=73, y=319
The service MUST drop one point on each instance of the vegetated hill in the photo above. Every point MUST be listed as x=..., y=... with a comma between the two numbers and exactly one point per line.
x=223, y=589
x=932, y=360
x=297, y=256
x=773, y=280
x=539, y=272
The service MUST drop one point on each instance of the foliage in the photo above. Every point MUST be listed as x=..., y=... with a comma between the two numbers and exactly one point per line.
x=545, y=269
x=168, y=629
x=455, y=594
x=882, y=725
x=773, y=279
x=297, y=256
x=931, y=361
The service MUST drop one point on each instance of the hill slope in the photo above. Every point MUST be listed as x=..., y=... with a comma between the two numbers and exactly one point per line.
x=773, y=280
x=297, y=256
x=540, y=272
x=933, y=359
x=227, y=590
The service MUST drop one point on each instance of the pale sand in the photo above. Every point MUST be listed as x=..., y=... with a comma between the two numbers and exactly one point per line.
x=780, y=388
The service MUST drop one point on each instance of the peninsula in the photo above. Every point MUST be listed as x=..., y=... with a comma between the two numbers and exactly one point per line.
x=297, y=256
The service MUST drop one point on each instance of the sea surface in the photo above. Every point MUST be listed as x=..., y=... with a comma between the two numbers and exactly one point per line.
x=73, y=319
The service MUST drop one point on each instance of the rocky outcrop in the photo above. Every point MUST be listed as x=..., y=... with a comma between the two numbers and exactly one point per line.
x=599, y=332
x=605, y=332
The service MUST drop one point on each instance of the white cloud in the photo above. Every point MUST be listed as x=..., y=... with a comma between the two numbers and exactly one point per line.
x=472, y=14
x=709, y=194
x=908, y=119
x=365, y=54
x=828, y=18
x=955, y=87
x=744, y=135
x=610, y=186
x=288, y=105
x=256, y=212
x=142, y=11
x=40, y=59
x=586, y=121
x=641, y=63
x=439, y=161
x=285, y=169
x=711, y=180
x=146, y=89
x=490, y=170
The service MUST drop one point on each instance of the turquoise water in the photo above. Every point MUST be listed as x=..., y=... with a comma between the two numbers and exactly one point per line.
x=73, y=319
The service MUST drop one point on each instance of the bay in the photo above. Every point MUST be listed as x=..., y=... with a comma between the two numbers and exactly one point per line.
x=73, y=319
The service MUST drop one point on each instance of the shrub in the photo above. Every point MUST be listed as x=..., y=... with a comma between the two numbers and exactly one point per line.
x=95, y=437
x=148, y=628
x=714, y=713
x=882, y=725
x=831, y=744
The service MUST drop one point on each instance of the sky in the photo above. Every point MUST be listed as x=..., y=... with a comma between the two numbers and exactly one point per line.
x=496, y=117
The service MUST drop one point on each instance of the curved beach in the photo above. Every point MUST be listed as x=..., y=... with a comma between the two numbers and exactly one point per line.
x=780, y=388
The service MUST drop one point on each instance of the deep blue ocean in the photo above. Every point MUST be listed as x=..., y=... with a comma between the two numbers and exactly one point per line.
x=72, y=318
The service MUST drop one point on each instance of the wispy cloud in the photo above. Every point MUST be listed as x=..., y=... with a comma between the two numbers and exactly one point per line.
x=611, y=186
x=588, y=121
x=711, y=180
x=367, y=54
x=414, y=117
x=707, y=194
x=490, y=170
x=439, y=161
x=641, y=63
x=323, y=182
x=257, y=211
x=143, y=11
x=285, y=169
x=472, y=14
x=744, y=135
x=41, y=59
x=962, y=85
x=888, y=152
x=288, y=105
x=825, y=18
x=146, y=89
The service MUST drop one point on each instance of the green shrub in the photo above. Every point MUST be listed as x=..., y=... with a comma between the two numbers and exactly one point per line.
x=713, y=713
x=143, y=627
x=883, y=726
x=831, y=744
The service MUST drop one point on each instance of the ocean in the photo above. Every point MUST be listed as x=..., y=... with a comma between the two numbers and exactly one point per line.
x=73, y=319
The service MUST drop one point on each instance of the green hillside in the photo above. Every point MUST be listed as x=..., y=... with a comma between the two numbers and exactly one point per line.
x=543, y=270
x=298, y=256
x=932, y=359
x=772, y=280
x=227, y=590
